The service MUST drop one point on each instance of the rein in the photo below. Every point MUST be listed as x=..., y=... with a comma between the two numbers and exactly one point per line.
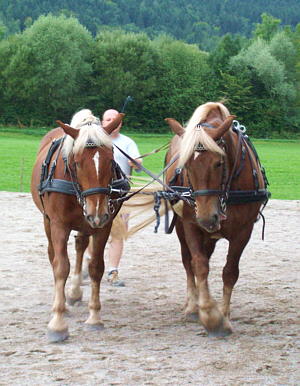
x=154, y=151
x=154, y=177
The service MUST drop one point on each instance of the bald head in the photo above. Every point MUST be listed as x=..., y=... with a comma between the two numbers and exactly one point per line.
x=108, y=116
x=110, y=113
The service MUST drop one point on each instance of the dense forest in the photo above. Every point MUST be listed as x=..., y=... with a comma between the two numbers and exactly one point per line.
x=195, y=21
x=169, y=56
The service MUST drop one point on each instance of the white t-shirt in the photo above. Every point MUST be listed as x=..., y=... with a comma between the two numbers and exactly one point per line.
x=129, y=146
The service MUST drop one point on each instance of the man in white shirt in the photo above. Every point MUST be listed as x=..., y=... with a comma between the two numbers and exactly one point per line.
x=128, y=146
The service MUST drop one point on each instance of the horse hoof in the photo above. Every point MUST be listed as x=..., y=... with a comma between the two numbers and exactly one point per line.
x=72, y=301
x=94, y=327
x=57, y=336
x=192, y=317
x=219, y=333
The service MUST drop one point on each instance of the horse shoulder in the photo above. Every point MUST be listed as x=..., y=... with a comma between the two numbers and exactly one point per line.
x=50, y=136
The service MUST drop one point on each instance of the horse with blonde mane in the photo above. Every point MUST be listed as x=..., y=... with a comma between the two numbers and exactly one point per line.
x=221, y=170
x=72, y=185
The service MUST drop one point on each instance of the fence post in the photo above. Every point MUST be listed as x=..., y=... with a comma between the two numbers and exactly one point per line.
x=22, y=175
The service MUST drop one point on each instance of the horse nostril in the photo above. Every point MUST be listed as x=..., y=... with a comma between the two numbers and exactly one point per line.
x=215, y=218
x=90, y=218
x=105, y=217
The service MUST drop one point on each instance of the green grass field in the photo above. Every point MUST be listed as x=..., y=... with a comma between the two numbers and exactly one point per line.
x=281, y=160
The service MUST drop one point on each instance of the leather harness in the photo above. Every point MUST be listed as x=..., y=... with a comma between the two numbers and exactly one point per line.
x=119, y=185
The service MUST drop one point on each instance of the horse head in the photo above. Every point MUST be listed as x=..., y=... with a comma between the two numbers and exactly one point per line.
x=202, y=153
x=88, y=149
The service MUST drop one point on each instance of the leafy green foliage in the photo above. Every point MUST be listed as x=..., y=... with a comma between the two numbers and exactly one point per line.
x=195, y=21
x=49, y=67
x=55, y=66
x=267, y=28
x=184, y=79
x=124, y=64
x=274, y=94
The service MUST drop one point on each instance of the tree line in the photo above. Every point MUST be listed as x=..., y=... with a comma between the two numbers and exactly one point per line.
x=195, y=21
x=56, y=67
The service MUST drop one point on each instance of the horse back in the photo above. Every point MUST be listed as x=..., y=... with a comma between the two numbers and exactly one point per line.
x=50, y=136
x=41, y=156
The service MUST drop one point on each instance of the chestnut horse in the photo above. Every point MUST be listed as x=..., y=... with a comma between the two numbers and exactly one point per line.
x=73, y=193
x=220, y=168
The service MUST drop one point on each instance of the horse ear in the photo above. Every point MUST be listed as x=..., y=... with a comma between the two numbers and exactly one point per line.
x=221, y=130
x=68, y=129
x=114, y=124
x=175, y=126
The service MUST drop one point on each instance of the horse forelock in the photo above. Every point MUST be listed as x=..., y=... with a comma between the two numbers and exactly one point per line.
x=89, y=131
x=194, y=135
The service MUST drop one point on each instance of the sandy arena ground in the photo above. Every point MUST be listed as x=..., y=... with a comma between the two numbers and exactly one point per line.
x=146, y=340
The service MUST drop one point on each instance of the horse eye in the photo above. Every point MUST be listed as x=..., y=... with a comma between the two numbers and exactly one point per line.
x=218, y=164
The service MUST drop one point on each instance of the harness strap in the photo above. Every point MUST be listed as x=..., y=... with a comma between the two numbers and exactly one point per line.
x=228, y=182
x=242, y=163
x=254, y=171
x=91, y=191
x=207, y=192
x=54, y=145
x=58, y=186
x=169, y=230
x=45, y=165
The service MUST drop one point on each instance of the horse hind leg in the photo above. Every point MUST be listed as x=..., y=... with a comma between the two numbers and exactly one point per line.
x=74, y=293
x=48, y=234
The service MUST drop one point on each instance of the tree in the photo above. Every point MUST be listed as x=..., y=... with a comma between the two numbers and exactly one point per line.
x=273, y=93
x=47, y=69
x=2, y=30
x=185, y=80
x=267, y=28
x=124, y=64
x=272, y=73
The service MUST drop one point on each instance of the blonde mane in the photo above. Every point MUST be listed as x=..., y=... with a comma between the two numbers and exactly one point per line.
x=90, y=131
x=197, y=135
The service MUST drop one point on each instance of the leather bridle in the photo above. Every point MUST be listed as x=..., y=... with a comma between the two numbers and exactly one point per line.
x=118, y=186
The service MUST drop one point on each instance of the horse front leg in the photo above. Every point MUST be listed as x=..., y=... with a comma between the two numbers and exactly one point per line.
x=191, y=306
x=231, y=270
x=57, y=327
x=209, y=314
x=96, y=270
x=74, y=293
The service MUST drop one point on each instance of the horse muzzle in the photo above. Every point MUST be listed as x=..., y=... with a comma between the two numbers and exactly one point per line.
x=211, y=224
x=97, y=221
